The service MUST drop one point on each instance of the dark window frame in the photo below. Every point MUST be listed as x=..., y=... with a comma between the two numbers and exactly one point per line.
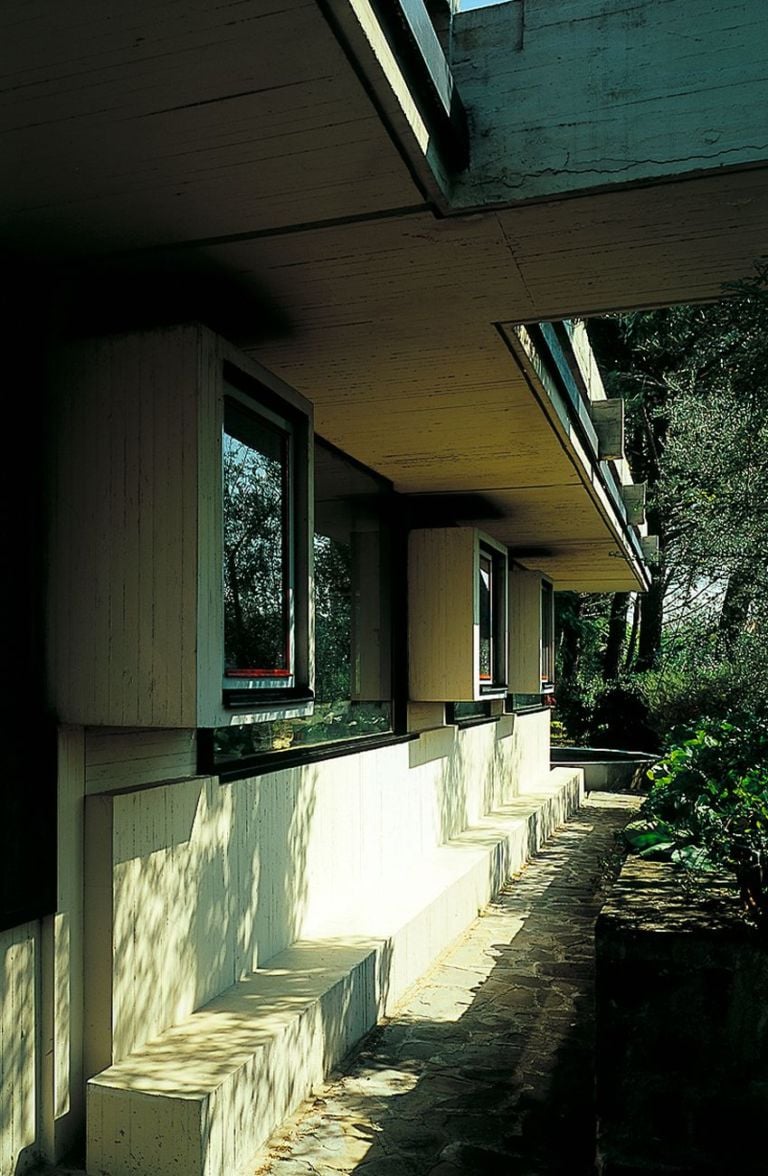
x=547, y=636
x=495, y=685
x=255, y=695
x=483, y=714
x=393, y=515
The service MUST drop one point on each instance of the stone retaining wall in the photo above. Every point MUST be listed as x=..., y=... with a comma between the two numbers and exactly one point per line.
x=681, y=1029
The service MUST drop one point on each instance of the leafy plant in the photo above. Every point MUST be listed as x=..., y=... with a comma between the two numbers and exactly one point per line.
x=708, y=807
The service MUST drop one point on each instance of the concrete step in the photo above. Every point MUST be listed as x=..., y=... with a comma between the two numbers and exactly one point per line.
x=201, y=1098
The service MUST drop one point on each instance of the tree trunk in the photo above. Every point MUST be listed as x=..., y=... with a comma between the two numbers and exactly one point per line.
x=570, y=638
x=652, y=603
x=735, y=610
x=617, y=632
x=632, y=647
x=651, y=623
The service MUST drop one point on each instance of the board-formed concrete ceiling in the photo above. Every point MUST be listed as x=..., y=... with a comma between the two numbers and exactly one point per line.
x=242, y=145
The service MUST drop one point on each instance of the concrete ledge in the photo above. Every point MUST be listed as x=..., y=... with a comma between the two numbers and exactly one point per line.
x=202, y=1097
x=421, y=912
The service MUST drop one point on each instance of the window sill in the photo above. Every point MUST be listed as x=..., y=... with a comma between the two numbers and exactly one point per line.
x=478, y=721
x=527, y=710
x=263, y=703
x=276, y=761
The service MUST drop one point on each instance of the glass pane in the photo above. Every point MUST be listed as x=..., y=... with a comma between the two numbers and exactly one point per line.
x=486, y=620
x=352, y=584
x=352, y=619
x=333, y=618
x=329, y=723
x=525, y=701
x=471, y=710
x=547, y=634
x=256, y=573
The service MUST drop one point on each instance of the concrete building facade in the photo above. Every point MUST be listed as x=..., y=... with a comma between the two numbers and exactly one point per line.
x=309, y=432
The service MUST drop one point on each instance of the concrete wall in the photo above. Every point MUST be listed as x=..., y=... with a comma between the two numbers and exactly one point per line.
x=210, y=881
x=21, y=1042
x=569, y=95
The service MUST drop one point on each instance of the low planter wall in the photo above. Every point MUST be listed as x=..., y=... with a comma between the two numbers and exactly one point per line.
x=681, y=1029
x=606, y=769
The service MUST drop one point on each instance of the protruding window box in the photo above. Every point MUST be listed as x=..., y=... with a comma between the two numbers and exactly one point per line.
x=608, y=420
x=457, y=615
x=531, y=634
x=353, y=550
x=181, y=553
x=261, y=523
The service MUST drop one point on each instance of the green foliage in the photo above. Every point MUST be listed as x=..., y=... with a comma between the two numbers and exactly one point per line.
x=558, y=734
x=695, y=384
x=708, y=807
x=682, y=692
x=333, y=618
x=581, y=622
x=649, y=838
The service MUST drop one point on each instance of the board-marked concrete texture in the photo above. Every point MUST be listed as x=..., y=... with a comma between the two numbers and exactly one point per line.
x=202, y=1097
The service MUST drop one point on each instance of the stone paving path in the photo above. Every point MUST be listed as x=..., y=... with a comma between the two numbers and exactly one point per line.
x=486, y=1068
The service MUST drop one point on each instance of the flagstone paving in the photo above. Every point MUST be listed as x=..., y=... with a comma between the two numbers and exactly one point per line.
x=486, y=1068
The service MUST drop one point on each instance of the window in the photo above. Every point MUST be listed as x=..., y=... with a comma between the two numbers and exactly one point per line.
x=531, y=639
x=352, y=609
x=259, y=561
x=467, y=713
x=492, y=611
x=524, y=702
x=547, y=636
x=184, y=603
x=266, y=552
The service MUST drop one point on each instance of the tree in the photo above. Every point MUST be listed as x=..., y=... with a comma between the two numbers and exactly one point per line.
x=695, y=384
x=255, y=623
x=333, y=618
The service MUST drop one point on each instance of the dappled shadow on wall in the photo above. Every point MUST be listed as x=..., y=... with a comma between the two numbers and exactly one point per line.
x=441, y=754
x=207, y=882
x=274, y=813
x=19, y=1031
x=489, y=1066
x=473, y=770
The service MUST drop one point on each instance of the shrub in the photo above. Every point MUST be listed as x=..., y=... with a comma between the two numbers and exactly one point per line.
x=708, y=807
x=698, y=679
x=600, y=714
x=621, y=718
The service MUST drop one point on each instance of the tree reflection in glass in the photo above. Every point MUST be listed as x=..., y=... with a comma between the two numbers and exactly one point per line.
x=333, y=618
x=256, y=525
x=352, y=601
x=486, y=618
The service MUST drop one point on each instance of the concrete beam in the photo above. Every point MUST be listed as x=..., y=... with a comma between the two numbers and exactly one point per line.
x=566, y=96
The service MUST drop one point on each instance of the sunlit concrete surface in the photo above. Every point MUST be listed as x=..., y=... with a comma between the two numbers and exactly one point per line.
x=486, y=1066
x=202, y=1096
x=19, y=1018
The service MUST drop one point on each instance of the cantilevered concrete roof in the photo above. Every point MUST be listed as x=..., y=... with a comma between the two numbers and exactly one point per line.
x=277, y=172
